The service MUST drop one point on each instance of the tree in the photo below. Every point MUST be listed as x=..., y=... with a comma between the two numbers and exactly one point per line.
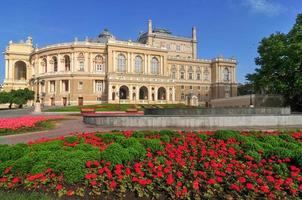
x=245, y=89
x=19, y=97
x=280, y=61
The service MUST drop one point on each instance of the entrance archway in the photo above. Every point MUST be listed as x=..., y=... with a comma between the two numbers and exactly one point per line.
x=20, y=70
x=124, y=92
x=143, y=93
x=161, y=93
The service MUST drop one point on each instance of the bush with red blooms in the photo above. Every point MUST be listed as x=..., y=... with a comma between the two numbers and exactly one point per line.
x=184, y=165
x=13, y=124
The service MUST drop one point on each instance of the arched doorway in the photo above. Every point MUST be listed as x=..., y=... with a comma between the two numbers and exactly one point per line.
x=20, y=70
x=143, y=93
x=161, y=93
x=124, y=92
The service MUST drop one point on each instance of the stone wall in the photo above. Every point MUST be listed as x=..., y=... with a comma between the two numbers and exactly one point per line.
x=219, y=111
x=252, y=121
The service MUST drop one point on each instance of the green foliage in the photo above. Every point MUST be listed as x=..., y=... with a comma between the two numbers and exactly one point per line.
x=116, y=154
x=226, y=134
x=18, y=97
x=280, y=61
x=16, y=195
x=255, y=155
x=71, y=139
x=110, y=137
x=203, y=136
x=153, y=144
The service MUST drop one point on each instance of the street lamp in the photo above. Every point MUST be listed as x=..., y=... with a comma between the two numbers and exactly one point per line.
x=251, y=100
x=37, y=104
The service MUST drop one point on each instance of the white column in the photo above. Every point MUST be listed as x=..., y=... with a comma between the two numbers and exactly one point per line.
x=113, y=61
x=173, y=94
x=128, y=63
x=146, y=65
x=161, y=66
x=155, y=94
x=150, y=93
x=72, y=63
x=109, y=93
x=137, y=93
x=132, y=63
x=59, y=62
x=6, y=69
x=168, y=94
x=90, y=67
x=130, y=92
x=86, y=63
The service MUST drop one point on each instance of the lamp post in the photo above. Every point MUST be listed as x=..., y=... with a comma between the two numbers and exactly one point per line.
x=251, y=100
x=38, y=103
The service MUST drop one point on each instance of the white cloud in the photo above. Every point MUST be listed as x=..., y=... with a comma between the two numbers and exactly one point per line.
x=267, y=7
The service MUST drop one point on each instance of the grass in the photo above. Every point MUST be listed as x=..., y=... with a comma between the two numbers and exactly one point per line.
x=114, y=107
x=16, y=195
x=40, y=126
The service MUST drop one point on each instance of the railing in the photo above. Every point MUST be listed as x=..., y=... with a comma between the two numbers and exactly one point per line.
x=203, y=60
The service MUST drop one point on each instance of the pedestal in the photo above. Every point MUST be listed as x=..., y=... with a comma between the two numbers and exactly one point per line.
x=37, y=107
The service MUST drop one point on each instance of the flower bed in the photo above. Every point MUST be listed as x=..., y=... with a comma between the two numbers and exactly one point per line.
x=25, y=124
x=165, y=164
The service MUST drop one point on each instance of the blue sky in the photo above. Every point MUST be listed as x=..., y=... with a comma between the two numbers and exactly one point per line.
x=224, y=27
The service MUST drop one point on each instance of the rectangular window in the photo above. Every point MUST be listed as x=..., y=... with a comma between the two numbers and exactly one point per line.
x=99, y=98
x=65, y=85
x=182, y=87
x=52, y=86
x=99, y=67
x=191, y=87
x=98, y=86
x=80, y=86
x=190, y=76
x=182, y=75
x=177, y=47
x=81, y=65
x=182, y=96
x=198, y=87
x=198, y=76
x=173, y=75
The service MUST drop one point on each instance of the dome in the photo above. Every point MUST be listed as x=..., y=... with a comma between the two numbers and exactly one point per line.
x=106, y=34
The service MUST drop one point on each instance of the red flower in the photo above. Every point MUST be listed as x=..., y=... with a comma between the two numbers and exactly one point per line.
x=88, y=163
x=219, y=179
x=235, y=187
x=59, y=187
x=264, y=189
x=16, y=180
x=242, y=180
x=211, y=181
x=112, y=184
x=170, y=179
x=128, y=171
x=249, y=186
x=93, y=183
x=196, y=185
x=70, y=193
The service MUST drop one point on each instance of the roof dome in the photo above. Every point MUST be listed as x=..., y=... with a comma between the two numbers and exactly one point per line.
x=106, y=34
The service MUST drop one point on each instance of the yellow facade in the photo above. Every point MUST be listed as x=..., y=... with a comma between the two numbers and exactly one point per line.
x=157, y=68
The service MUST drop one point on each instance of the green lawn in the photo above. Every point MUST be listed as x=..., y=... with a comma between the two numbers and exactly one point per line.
x=114, y=107
x=14, y=195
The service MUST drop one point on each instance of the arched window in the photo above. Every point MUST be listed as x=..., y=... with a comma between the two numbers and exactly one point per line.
x=99, y=63
x=226, y=74
x=20, y=70
x=121, y=63
x=44, y=65
x=138, y=64
x=81, y=61
x=67, y=62
x=55, y=64
x=154, y=66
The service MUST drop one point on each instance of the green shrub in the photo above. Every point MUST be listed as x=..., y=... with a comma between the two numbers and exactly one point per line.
x=138, y=134
x=71, y=139
x=165, y=138
x=203, y=136
x=110, y=137
x=226, y=134
x=153, y=144
x=288, y=138
x=255, y=155
x=48, y=146
x=12, y=152
x=279, y=152
x=116, y=154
